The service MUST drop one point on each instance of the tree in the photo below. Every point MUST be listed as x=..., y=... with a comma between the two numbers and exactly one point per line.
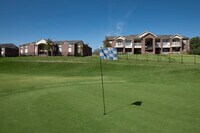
x=106, y=43
x=96, y=51
x=195, y=45
x=50, y=46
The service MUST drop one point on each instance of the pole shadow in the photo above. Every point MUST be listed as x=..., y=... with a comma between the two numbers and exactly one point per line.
x=136, y=103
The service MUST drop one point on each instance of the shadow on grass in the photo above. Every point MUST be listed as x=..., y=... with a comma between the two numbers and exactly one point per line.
x=137, y=103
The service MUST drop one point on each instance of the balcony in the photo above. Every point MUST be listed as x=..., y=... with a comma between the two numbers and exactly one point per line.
x=138, y=45
x=128, y=45
x=119, y=45
x=158, y=45
x=166, y=44
x=176, y=44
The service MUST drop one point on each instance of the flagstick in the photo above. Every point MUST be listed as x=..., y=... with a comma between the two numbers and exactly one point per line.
x=104, y=106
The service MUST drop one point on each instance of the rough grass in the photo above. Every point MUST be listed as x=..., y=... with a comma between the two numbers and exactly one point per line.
x=59, y=94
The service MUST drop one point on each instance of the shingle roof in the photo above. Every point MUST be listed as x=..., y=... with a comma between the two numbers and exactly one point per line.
x=110, y=38
x=68, y=42
x=168, y=36
x=59, y=42
x=8, y=45
x=24, y=44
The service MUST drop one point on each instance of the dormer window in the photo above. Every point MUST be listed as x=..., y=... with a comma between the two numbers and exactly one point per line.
x=119, y=42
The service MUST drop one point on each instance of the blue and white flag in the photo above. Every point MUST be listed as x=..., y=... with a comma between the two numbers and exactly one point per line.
x=108, y=53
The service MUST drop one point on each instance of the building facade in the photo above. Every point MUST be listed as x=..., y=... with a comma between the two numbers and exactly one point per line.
x=57, y=48
x=8, y=50
x=149, y=43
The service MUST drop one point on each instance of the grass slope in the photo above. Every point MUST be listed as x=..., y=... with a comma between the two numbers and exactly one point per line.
x=59, y=94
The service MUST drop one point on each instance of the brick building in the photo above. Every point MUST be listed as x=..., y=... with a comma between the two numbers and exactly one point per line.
x=148, y=42
x=8, y=50
x=58, y=48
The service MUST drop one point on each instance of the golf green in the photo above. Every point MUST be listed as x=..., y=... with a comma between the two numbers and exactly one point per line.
x=64, y=95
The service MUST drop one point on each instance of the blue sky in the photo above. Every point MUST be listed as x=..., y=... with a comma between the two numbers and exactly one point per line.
x=23, y=21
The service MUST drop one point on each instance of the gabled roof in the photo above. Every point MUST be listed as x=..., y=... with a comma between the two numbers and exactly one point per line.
x=25, y=44
x=144, y=34
x=42, y=41
x=177, y=36
x=120, y=37
x=69, y=42
x=8, y=45
x=111, y=38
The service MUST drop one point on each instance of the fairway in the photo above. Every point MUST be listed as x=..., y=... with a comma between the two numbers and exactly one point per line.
x=63, y=94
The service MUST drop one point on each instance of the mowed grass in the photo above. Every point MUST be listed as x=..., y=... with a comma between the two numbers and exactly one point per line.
x=63, y=94
x=170, y=58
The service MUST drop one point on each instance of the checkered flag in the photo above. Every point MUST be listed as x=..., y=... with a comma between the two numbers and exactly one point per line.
x=108, y=53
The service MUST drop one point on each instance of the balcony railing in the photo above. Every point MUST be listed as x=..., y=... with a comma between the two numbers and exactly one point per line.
x=137, y=45
x=166, y=44
x=176, y=44
x=128, y=45
x=158, y=44
x=119, y=45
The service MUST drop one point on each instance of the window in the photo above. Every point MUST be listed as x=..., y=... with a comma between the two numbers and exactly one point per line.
x=35, y=49
x=137, y=42
x=60, y=48
x=2, y=51
x=166, y=40
x=26, y=49
x=128, y=42
x=166, y=50
x=80, y=48
x=176, y=40
x=119, y=43
x=21, y=50
x=69, y=49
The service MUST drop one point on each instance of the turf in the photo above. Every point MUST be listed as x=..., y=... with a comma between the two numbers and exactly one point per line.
x=60, y=94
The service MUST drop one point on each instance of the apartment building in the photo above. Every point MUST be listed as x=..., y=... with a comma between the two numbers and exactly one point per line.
x=149, y=43
x=57, y=48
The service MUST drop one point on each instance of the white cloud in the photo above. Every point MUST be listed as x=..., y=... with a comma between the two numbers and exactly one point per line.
x=119, y=28
x=128, y=14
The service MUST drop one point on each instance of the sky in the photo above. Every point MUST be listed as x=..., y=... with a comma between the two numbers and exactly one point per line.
x=23, y=21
